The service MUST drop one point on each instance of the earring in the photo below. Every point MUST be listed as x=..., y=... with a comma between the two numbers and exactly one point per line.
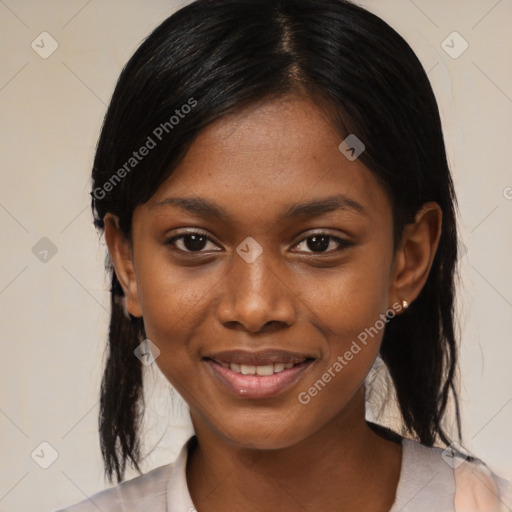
x=405, y=304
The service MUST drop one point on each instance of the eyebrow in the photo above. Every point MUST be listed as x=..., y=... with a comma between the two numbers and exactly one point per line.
x=206, y=208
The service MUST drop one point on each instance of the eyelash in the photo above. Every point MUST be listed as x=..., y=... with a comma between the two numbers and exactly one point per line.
x=343, y=244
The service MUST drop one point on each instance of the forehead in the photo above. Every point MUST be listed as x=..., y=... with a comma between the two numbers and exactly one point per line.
x=268, y=156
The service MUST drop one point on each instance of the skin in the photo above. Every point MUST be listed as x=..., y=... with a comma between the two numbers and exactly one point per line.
x=255, y=164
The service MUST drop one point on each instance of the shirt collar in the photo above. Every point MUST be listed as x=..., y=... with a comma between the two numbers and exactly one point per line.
x=422, y=474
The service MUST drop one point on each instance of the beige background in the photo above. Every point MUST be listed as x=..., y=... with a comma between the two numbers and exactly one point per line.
x=54, y=314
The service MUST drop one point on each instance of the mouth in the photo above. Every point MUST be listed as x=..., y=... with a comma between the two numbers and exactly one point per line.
x=258, y=374
x=261, y=370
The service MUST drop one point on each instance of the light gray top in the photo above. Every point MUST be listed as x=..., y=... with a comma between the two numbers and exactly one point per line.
x=431, y=480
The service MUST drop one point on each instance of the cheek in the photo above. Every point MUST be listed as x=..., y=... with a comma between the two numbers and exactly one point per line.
x=172, y=296
x=350, y=307
x=349, y=300
x=175, y=302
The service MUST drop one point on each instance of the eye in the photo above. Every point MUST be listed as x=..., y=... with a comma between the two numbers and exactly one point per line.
x=196, y=242
x=190, y=242
x=321, y=242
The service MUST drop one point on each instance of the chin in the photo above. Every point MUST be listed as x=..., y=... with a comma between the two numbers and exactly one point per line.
x=268, y=434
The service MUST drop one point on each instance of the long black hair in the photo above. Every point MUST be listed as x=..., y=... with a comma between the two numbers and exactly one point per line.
x=213, y=57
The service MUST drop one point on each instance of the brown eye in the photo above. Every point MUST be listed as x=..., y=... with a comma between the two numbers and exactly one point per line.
x=189, y=242
x=320, y=243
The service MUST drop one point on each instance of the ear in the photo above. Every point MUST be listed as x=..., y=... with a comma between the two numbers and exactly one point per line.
x=416, y=253
x=120, y=251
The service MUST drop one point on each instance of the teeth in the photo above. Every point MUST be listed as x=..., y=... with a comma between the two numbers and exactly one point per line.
x=263, y=370
x=247, y=369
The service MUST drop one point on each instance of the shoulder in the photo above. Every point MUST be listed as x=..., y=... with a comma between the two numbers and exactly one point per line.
x=451, y=479
x=154, y=491
x=147, y=490
x=478, y=488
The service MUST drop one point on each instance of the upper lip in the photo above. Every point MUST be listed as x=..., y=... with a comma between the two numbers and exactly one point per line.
x=258, y=358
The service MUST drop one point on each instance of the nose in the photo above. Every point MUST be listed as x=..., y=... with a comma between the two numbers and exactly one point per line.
x=256, y=296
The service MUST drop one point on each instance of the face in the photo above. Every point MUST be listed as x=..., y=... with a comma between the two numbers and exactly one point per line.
x=258, y=268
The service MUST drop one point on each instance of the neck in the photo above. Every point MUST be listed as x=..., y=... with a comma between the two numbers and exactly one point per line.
x=344, y=455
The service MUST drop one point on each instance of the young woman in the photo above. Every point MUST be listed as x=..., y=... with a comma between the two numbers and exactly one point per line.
x=272, y=183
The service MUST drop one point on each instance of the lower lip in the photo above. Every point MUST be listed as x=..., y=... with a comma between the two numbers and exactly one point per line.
x=256, y=386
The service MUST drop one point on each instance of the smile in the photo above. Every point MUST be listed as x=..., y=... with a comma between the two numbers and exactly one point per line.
x=240, y=374
x=263, y=370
